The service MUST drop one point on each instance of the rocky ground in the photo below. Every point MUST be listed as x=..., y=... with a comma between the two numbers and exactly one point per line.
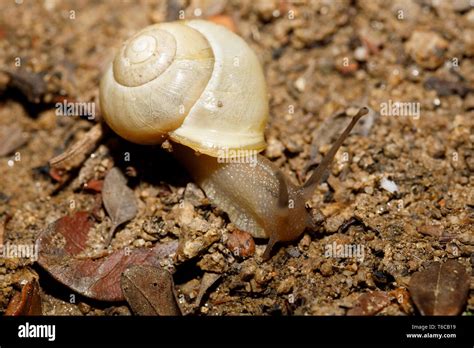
x=401, y=188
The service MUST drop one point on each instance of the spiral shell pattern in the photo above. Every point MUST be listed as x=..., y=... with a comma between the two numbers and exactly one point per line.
x=194, y=82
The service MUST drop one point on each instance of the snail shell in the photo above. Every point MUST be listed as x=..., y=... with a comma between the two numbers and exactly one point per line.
x=195, y=82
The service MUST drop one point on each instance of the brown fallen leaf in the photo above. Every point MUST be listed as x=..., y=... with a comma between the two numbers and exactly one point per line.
x=119, y=200
x=78, y=152
x=370, y=303
x=11, y=138
x=149, y=290
x=441, y=289
x=26, y=302
x=62, y=242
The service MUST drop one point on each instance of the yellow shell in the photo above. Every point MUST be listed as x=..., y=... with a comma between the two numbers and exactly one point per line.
x=195, y=82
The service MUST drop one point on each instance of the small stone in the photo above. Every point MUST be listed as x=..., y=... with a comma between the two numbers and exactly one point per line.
x=47, y=120
x=294, y=143
x=274, y=149
x=333, y=223
x=191, y=246
x=311, y=102
x=361, y=54
x=392, y=151
x=461, y=5
x=326, y=269
x=431, y=230
x=414, y=73
x=286, y=285
x=248, y=270
x=184, y=213
x=395, y=77
x=84, y=307
x=263, y=276
x=214, y=262
x=241, y=243
x=293, y=251
x=265, y=8
x=389, y=185
x=300, y=84
x=436, y=148
x=469, y=102
x=304, y=242
x=427, y=49
x=190, y=289
x=194, y=194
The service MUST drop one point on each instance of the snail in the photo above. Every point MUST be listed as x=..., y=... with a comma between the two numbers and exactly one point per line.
x=202, y=87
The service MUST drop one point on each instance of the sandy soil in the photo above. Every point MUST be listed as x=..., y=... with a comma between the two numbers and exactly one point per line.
x=319, y=58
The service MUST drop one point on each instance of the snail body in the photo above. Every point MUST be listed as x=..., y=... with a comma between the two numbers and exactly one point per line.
x=257, y=196
x=201, y=86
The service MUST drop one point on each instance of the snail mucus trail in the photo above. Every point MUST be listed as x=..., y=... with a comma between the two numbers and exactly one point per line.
x=189, y=66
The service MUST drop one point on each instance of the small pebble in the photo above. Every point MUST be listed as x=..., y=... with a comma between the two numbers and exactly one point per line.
x=389, y=185
x=427, y=48
x=194, y=194
x=326, y=269
x=274, y=149
x=286, y=285
x=300, y=84
x=293, y=251
x=360, y=54
x=241, y=243
x=392, y=151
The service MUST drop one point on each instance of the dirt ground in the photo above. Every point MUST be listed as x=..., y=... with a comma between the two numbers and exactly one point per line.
x=401, y=186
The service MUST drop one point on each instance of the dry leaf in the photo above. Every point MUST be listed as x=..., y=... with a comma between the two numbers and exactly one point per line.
x=60, y=244
x=370, y=303
x=149, y=290
x=441, y=289
x=78, y=152
x=26, y=302
x=119, y=200
x=11, y=138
